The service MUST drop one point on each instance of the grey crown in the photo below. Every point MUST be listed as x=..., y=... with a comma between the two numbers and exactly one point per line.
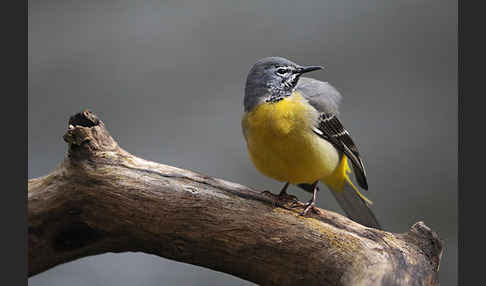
x=262, y=82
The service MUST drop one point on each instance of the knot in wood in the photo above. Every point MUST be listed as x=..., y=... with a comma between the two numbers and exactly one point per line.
x=429, y=242
x=87, y=135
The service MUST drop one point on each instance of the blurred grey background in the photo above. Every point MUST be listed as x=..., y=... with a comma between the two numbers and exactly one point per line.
x=167, y=79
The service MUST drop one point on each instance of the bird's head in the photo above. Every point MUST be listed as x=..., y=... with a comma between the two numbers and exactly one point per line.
x=272, y=79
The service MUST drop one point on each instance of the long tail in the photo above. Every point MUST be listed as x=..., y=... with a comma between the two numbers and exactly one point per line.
x=354, y=204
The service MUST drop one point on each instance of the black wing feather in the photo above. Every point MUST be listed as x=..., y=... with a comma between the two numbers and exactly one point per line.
x=331, y=129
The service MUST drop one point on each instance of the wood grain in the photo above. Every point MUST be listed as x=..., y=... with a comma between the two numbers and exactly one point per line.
x=103, y=199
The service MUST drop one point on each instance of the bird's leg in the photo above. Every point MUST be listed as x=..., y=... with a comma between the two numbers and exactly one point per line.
x=283, y=197
x=283, y=191
x=311, y=205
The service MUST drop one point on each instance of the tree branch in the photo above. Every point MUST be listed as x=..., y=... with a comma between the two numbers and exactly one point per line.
x=103, y=199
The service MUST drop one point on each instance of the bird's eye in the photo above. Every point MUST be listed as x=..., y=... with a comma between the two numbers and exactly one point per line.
x=282, y=71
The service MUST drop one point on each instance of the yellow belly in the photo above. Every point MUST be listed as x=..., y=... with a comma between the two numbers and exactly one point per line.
x=283, y=146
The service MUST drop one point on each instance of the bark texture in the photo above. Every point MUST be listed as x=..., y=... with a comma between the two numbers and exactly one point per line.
x=103, y=199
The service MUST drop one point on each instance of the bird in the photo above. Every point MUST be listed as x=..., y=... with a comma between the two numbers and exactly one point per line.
x=293, y=134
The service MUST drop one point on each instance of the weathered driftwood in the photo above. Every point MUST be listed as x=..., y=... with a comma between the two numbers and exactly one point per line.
x=103, y=199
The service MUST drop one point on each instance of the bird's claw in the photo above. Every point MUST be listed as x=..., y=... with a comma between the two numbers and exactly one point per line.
x=281, y=199
x=310, y=205
x=267, y=193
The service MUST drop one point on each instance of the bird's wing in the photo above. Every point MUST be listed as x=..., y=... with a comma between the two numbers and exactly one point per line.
x=325, y=99
x=321, y=95
x=331, y=129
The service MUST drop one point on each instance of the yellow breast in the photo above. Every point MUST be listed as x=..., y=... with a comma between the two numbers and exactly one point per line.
x=283, y=146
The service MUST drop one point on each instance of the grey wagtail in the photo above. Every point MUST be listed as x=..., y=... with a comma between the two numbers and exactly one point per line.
x=293, y=135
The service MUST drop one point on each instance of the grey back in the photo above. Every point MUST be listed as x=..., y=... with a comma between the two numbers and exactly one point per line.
x=321, y=95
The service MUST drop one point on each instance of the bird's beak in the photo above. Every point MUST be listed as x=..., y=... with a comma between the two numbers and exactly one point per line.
x=308, y=69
